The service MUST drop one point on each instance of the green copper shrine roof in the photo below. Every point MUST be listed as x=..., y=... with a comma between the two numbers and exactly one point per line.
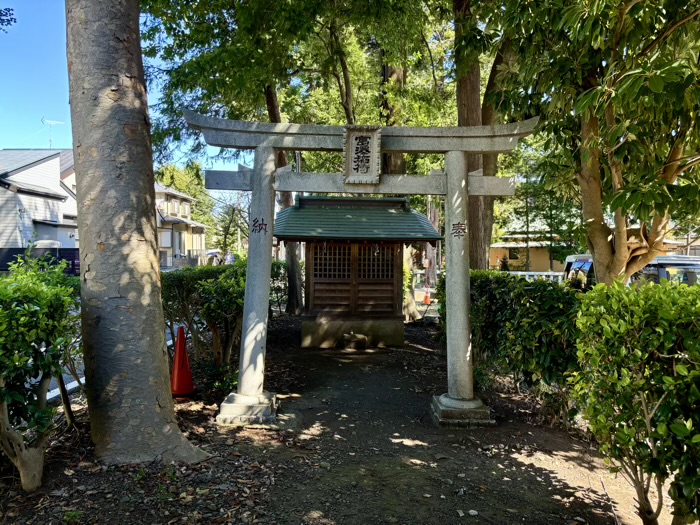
x=353, y=218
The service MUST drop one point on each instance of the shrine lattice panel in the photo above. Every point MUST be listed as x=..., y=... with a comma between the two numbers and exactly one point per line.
x=354, y=279
x=332, y=261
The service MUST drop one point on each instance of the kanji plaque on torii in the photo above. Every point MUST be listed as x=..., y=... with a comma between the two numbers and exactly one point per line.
x=457, y=407
x=363, y=158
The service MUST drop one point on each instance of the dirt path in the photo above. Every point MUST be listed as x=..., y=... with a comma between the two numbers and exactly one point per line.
x=365, y=452
x=371, y=454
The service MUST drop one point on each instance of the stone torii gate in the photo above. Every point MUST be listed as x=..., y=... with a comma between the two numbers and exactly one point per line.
x=363, y=147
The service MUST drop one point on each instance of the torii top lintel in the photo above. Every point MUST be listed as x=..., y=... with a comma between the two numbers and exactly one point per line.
x=308, y=137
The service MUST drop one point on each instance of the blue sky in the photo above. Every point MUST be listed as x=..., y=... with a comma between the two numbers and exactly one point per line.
x=35, y=79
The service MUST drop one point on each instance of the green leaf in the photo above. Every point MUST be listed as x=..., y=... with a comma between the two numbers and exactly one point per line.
x=680, y=430
x=656, y=84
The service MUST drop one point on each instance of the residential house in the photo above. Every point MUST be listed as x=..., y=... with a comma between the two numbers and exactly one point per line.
x=180, y=239
x=516, y=251
x=34, y=204
x=38, y=203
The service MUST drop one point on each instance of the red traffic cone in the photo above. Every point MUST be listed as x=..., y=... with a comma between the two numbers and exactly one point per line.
x=426, y=297
x=181, y=383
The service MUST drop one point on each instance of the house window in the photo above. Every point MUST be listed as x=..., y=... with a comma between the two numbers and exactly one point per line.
x=185, y=209
x=174, y=207
x=165, y=239
x=514, y=253
x=182, y=243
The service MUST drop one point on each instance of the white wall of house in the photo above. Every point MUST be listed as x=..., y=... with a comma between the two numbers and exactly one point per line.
x=67, y=236
x=9, y=216
x=46, y=174
x=36, y=208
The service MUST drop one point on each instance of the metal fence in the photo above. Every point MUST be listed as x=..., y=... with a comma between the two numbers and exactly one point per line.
x=556, y=277
x=71, y=255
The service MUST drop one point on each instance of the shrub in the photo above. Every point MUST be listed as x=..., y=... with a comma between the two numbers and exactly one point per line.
x=36, y=318
x=639, y=388
x=181, y=301
x=520, y=327
x=278, y=283
x=221, y=302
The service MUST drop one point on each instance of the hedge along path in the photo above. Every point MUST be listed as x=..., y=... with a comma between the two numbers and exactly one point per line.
x=251, y=403
x=36, y=318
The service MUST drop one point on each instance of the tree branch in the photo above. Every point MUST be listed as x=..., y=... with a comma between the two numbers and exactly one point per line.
x=658, y=40
x=432, y=61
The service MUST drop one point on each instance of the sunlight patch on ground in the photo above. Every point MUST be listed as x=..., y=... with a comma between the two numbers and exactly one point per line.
x=408, y=442
x=317, y=517
x=313, y=432
x=413, y=462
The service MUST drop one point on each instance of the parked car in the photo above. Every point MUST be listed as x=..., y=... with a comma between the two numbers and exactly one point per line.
x=579, y=268
x=684, y=269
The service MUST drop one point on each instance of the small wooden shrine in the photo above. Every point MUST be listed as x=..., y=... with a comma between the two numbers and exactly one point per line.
x=354, y=265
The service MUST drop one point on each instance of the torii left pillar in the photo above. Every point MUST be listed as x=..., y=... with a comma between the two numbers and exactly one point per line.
x=251, y=403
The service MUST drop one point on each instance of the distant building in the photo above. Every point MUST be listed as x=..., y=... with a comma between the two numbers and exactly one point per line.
x=35, y=205
x=180, y=239
x=38, y=202
x=516, y=251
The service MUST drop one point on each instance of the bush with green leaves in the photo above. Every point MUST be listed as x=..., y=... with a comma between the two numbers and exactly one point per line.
x=639, y=388
x=182, y=304
x=221, y=309
x=37, y=320
x=524, y=328
x=278, y=284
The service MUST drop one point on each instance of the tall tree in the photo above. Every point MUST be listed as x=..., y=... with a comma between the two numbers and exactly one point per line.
x=253, y=39
x=618, y=86
x=127, y=380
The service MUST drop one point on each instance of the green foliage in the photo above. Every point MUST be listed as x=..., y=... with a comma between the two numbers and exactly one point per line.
x=504, y=264
x=208, y=300
x=617, y=87
x=7, y=18
x=524, y=328
x=221, y=303
x=39, y=327
x=37, y=319
x=73, y=516
x=225, y=380
x=278, y=283
x=182, y=303
x=639, y=385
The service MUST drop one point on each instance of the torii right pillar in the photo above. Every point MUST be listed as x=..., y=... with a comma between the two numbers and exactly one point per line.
x=458, y=407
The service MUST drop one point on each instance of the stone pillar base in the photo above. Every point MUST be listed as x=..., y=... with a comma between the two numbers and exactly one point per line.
x=240, y=410
x=450, y=412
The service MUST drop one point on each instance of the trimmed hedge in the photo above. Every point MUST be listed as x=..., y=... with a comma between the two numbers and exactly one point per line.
x=207, y=300
x=638, y=386
x=627, y=358
x=520, y=327
x=38, y=318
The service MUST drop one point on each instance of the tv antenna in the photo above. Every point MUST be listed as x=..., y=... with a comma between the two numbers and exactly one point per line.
x=50, y=124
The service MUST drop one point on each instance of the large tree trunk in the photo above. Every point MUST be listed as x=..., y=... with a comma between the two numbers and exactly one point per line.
x=469, y=114
x=490, y=162
x=295, y=301
x=127, y=380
